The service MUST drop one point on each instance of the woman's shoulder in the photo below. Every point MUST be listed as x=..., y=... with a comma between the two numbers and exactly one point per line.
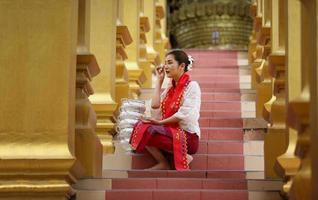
x=194, y=84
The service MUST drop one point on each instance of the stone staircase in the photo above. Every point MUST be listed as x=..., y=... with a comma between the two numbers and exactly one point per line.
x=224, y=168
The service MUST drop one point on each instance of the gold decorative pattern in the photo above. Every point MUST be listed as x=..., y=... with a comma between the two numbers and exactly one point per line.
x=89, y=159
x=191, y=20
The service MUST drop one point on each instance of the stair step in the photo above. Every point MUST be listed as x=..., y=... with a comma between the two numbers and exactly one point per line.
x=179, y=183
x=200, y=161
x=216, y=71
x=208, y=122
x=226, y=85
x=220, y=96
x=221, y=134
x=220, y=114
x=222, y=105
x=208, y=54
x=224, y=90
x=201, y=79
x=217, y=174
x=223, y=174
x=220, y=147
x=176, y=194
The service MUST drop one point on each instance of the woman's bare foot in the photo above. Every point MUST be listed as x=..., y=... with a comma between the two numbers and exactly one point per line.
x=189, y=158
x=160, y=166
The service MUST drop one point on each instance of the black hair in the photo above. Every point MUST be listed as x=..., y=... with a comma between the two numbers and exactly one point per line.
x=181, y=57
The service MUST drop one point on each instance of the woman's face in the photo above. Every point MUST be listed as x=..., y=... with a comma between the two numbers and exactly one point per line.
x=172, y=68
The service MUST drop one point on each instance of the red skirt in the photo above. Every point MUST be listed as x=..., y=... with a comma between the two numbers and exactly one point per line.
x=160, y=137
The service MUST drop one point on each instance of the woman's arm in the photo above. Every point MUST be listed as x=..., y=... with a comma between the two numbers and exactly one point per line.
x=169, y=120
x=155, y=103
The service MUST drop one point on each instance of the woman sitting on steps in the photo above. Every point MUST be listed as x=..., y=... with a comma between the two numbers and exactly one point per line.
x=174, y=127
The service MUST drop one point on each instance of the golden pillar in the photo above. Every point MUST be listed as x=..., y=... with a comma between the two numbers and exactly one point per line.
x=253, y=43
x=89, y=159
x=264, y=87
x=288, y=163
x=303, y=108
x=130, y=18
x=149, y=10
x=161, y=22
x=159, y=43
x=37, y=81
x=314, y=118
x=123, y=38
x=275, y=140
x=103, y=15
x=261, y=81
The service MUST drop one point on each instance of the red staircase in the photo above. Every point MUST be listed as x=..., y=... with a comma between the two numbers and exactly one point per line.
x=217, y=171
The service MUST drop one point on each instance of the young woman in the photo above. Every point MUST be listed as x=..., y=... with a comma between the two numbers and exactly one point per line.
x=174, y=125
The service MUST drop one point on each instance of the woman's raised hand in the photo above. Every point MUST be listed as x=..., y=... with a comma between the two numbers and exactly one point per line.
x=160, y=72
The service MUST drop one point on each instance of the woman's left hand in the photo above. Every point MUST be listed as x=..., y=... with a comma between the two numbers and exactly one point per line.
x=150, y=120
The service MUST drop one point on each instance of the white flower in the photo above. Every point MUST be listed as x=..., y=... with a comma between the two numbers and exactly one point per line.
x=190, y=58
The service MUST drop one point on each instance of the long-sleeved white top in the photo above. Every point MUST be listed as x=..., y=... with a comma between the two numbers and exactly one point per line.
x=189, y=111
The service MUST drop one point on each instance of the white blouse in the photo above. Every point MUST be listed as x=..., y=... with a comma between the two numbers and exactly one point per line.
x=189, y=111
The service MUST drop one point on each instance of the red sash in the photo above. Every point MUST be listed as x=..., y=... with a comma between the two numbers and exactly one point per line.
x=169, y=106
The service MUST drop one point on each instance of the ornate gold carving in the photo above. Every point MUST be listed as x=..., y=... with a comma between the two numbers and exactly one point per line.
x=105, y=107
x=123, y=38
x=299, y=120
x=275, y=140
x=160, y=42
x=145, y=59
x=89, y=159
x=228, y=21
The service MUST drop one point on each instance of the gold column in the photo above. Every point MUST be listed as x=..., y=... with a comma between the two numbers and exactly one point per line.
x=253, y=43
x=37, y=81
x=303, y=108
x=264, y=87
x=123, y=38
x=255, y=51
x=275, y=140
x=103, y=15
x=159, y=43
x=136, y=74
x=163, y=23
x=152, y=55
x=89, y=159
x=314, y=119
x=288, y=163
x=260, y=65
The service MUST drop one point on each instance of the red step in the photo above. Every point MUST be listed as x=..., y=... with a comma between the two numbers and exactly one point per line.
x=220, y=114
x=220, y=147
x=200, y=162
x=222, y=105
x=212, y=54
x=220, y=96
x=225, y=174
x=232, y=122
x=223, y=90
x=215, y=71
x=144, y=194
x=220, y=85
x=213, y=78
x=178, y=183
x=221, y=134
